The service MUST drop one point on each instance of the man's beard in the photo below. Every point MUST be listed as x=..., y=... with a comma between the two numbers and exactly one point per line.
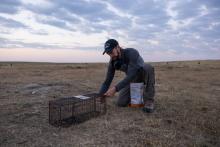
x=115, y=58
x=117, y=63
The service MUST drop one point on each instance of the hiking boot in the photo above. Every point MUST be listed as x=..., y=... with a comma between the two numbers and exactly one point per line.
x=148, y=106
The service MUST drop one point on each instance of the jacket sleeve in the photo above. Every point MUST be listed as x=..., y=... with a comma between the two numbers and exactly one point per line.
x=109, y=77
x=134, y=65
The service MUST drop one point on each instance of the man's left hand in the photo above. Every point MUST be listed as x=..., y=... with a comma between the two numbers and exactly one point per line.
x=111, y=92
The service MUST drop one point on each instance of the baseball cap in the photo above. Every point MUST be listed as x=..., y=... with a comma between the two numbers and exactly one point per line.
x=109, y=45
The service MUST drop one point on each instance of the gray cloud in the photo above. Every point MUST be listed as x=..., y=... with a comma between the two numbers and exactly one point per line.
x=212, y=3
x=124, y=5
x=135, y=21
x=10, y=23
x=206, y=26
x=9, y=6
x=187, y=9
x=38, y=32
x=78, y=14
x=6, y=43
x=55, y=23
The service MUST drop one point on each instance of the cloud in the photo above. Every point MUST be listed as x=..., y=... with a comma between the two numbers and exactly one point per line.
x=6, y=43
x=39, y=32
x=171, y=27
x=153, y=42
x=10, y=23
x=71, y=15
x=9, y=6
x=55, y=22
x=212, y=3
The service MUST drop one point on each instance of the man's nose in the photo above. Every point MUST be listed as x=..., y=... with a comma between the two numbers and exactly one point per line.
x=111, y=55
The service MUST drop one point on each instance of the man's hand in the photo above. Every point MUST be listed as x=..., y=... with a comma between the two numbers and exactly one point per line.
x=111, y=91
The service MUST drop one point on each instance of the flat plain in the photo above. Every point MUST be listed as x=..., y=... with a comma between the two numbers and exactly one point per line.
x=187, y=106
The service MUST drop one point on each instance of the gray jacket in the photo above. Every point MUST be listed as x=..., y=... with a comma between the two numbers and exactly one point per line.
x=132, y=63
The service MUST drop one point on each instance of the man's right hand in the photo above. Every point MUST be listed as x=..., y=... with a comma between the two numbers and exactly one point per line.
x=110, y=92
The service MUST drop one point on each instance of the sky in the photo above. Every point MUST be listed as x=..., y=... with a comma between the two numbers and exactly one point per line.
x=76, y=30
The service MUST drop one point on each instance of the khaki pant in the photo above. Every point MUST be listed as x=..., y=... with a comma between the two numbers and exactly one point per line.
x=147, y=76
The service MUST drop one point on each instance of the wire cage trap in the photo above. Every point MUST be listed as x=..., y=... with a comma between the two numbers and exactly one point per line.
x=75, y=110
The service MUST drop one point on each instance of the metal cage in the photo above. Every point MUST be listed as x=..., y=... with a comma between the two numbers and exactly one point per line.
x=74, y=110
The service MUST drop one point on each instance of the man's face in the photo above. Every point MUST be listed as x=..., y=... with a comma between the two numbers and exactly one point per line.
x=114, y=54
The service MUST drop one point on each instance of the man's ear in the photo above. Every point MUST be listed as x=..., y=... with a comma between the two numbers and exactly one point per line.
x=118, y=50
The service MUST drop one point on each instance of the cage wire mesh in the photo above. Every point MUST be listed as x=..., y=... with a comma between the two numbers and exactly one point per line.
x=74, y=110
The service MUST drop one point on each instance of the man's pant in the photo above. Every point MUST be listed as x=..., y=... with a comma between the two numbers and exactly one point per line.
x=147, y=76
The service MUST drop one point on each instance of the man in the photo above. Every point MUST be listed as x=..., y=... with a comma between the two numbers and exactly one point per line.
x=129, y=61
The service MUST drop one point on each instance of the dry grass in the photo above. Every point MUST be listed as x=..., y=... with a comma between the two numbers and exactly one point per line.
x=187, y=106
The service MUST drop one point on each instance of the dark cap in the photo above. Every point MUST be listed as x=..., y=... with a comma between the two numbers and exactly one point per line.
x=109, y=45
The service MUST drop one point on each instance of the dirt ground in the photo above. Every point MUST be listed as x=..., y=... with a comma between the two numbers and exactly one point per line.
x=187, y=106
